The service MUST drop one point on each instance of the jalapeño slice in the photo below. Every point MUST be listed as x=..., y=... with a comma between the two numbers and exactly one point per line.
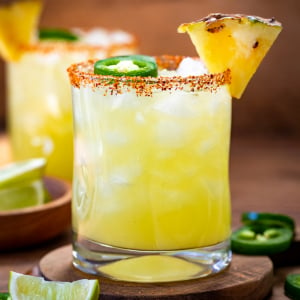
x=268, y=219
x=57, y=34
x=127, y=65
x=292, y=286
x=5, y=296
x=261, y=239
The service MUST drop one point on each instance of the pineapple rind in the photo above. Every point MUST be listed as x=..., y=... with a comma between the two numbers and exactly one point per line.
x=236, y=42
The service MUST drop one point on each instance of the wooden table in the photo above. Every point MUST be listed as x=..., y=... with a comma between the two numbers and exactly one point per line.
x=265, y=176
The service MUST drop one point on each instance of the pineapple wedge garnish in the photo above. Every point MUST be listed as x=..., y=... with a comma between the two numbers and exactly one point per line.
x=18, y=25
x=235, y=42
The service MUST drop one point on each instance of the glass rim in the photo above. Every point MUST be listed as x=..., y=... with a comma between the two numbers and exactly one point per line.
x=82, y=75
x=45, y=47
x=48, y=45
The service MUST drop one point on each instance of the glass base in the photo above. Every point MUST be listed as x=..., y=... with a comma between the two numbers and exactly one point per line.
x=149, y=266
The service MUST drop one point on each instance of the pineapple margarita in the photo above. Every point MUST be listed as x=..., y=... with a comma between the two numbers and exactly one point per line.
x=38, y=93
x=151, y=198
x=40, y=110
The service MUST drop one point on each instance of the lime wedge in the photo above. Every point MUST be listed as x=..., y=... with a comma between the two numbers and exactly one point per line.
x=24, y=195
x=27, y=287
x=15, y=173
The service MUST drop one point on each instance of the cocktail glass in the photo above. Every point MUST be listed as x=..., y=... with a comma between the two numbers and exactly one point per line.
x=151, y=199
x=39, y=96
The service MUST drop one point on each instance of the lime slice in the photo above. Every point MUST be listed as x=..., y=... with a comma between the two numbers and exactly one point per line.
x=15, y=173
x=27, y=287
x=24, y=195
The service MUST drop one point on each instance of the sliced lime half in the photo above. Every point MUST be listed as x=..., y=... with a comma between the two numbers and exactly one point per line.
x=14, y=173
x=27, y=287
x=24, y=195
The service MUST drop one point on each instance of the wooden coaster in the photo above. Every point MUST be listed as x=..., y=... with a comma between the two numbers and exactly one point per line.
x=247, y=276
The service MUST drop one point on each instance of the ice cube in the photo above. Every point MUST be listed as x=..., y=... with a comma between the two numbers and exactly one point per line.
x=206, y=145
x=103, y=37
x=120, y=37
x=170, y=134
x=96, y=36
x=139, y=117
x=50, y=59
x=191, y=67
x=125, y=174
x=115, y=137
x=174, y=105
x=167, y=73
x=45, y=142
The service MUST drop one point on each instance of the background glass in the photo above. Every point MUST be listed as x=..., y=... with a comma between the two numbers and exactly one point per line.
x=39, y=96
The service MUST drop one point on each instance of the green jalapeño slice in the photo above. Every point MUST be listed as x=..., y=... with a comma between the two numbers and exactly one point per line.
x=57, y=34
x=263, y=233
x=5, y=296
x=268, y=219
x=261, y=240
x=292, y=286
x=128, y=65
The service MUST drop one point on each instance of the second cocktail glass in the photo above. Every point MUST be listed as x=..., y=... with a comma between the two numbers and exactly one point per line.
x=39, y=97
x=151, y=199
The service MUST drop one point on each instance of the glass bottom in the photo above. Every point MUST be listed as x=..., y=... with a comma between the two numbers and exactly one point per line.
x=149, y=266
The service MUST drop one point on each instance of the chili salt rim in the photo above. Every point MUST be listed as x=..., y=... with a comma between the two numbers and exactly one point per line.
x=62, y=46
x=48, y=46
x=82, y=75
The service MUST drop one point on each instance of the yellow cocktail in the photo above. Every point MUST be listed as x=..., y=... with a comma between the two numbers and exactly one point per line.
x=151, y=161
x=39, y=97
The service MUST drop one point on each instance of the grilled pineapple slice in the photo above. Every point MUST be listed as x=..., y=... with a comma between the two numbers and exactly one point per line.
x=235, y=42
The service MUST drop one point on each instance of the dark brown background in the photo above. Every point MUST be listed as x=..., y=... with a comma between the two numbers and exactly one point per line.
x=271, y=103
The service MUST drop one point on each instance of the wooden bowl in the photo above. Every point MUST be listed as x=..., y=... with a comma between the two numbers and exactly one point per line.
x=33, y=225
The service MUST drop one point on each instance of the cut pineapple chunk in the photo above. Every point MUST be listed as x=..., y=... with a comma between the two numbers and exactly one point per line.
x=235, y=42
x=18, y=24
